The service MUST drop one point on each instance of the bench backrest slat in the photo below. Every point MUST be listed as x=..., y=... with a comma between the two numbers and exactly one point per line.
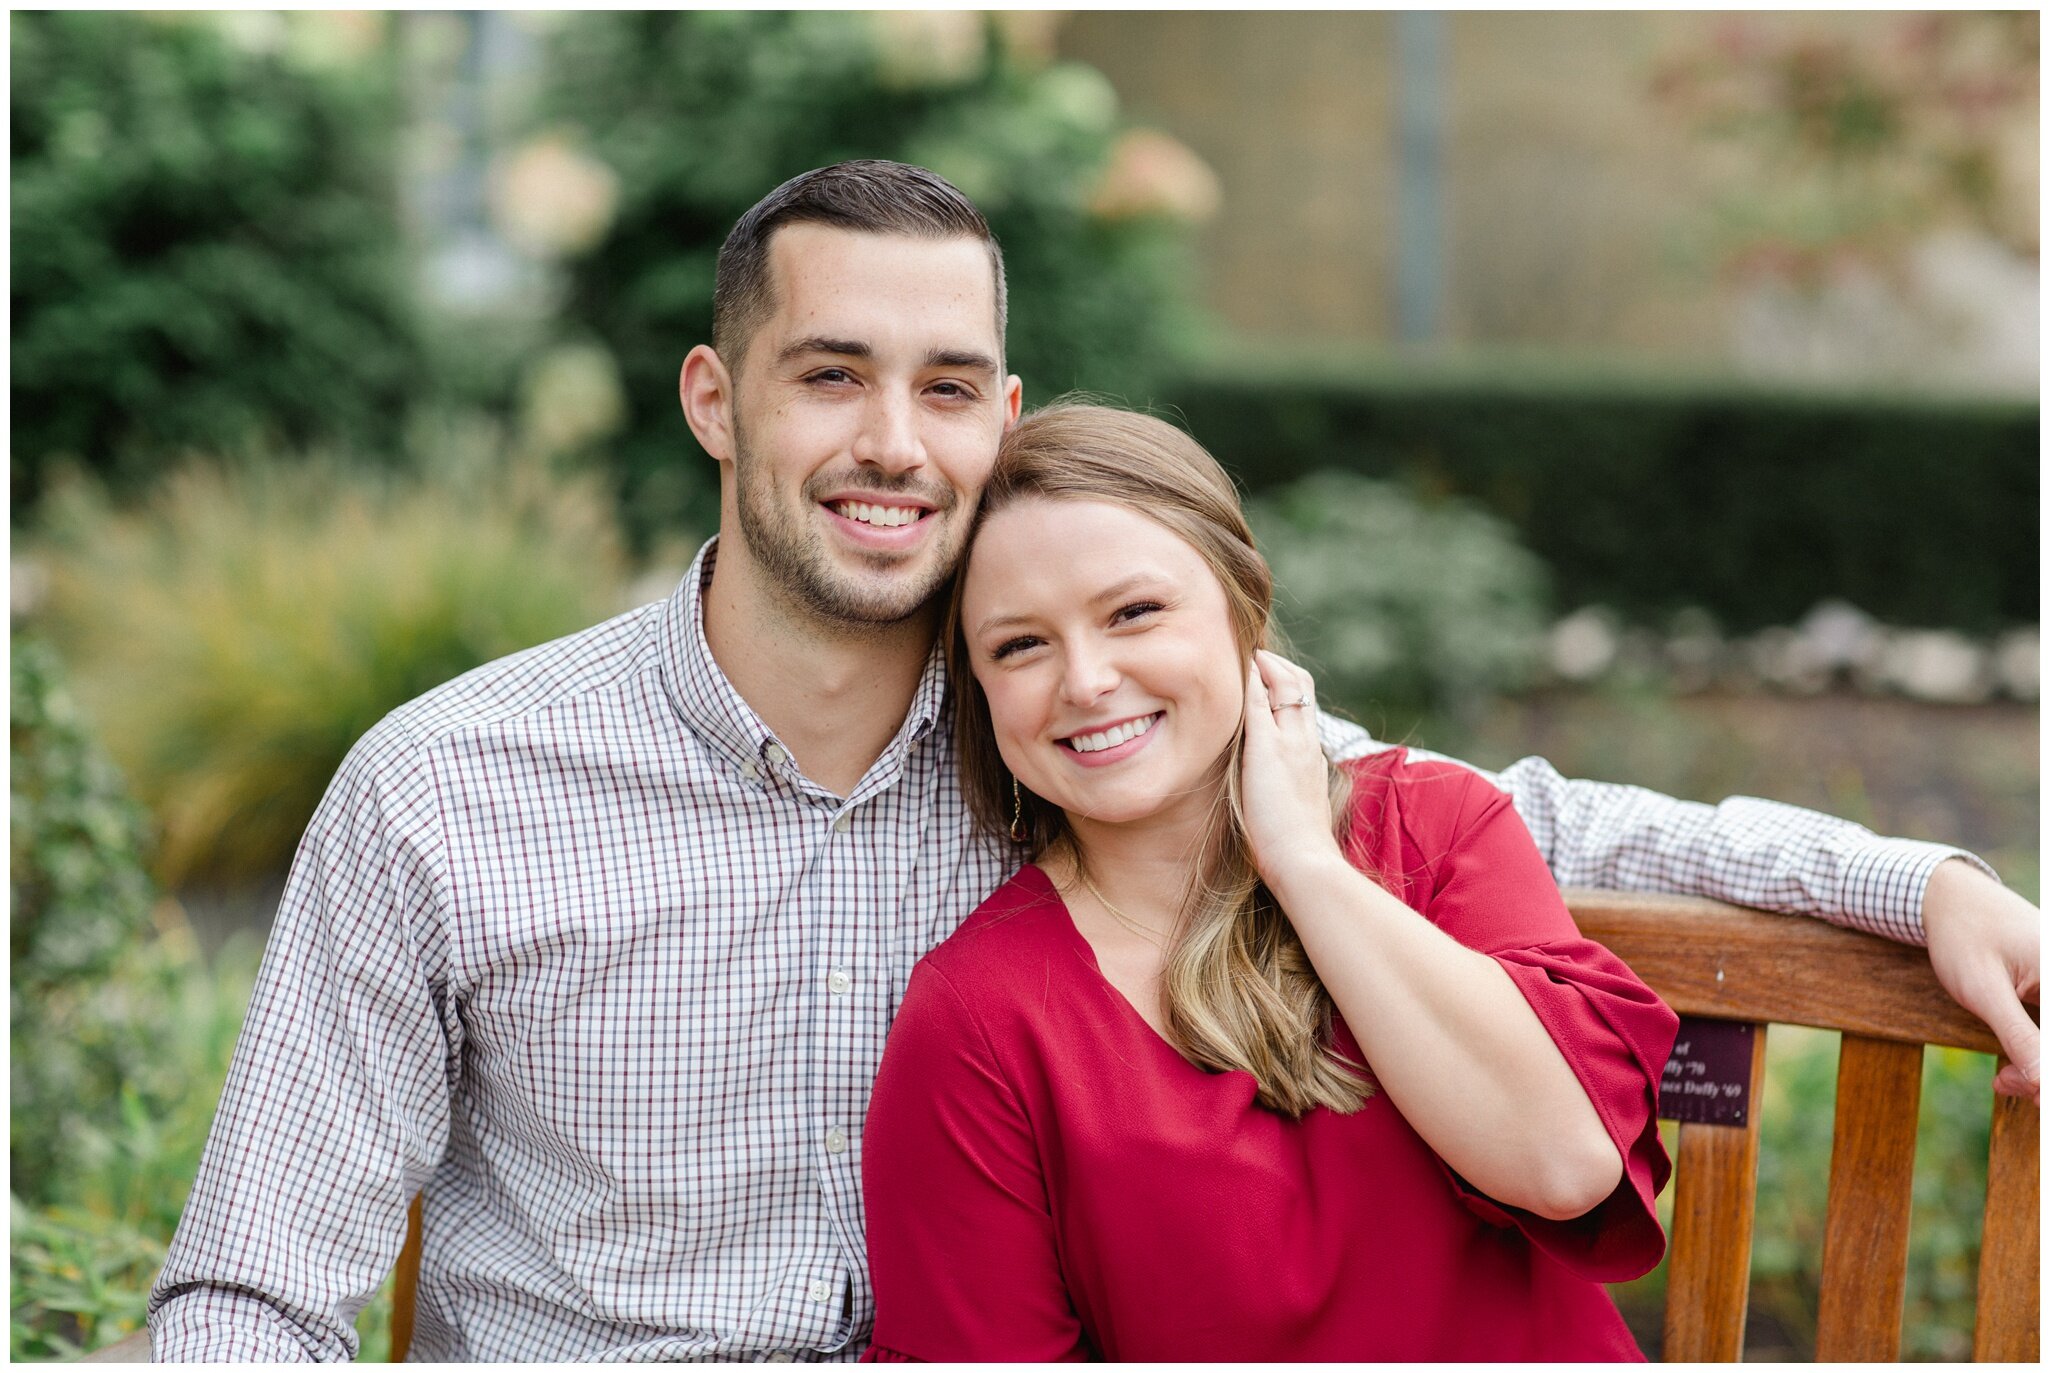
x=1871, y=1191
x=2010, y=1254
x=1715, y=1184
x=405, y=1296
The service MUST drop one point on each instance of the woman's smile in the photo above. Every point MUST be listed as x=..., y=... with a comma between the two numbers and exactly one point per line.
x=1117, y=742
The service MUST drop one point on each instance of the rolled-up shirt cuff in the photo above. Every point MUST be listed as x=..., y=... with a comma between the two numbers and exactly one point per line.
x=207, y=1324
x=1885, y=881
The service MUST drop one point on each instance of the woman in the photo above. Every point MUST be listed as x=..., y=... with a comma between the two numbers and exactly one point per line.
x=1198, y=1082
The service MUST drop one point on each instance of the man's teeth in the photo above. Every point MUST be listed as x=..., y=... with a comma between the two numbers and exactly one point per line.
x=882, y=516
x=1112, y=737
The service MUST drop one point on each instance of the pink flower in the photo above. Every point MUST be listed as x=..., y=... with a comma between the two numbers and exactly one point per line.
x=1151, y=173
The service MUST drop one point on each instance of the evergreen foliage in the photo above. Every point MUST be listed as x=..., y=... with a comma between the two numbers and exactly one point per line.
x=206, y=250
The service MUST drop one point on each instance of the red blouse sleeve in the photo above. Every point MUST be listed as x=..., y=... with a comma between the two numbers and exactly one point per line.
x=1492, y=892
x=960, y=1236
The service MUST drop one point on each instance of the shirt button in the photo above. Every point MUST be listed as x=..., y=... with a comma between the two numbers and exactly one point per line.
x=836, y=1140
x=777, y=755
x=837, y=982
x=821, y=1292
x=749, y=770
x=842, y=824
x=781, y=1356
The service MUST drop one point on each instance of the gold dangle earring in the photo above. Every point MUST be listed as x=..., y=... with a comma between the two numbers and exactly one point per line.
x=1018, y=830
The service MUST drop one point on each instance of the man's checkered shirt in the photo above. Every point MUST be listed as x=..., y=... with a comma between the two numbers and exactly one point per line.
x=574, y=945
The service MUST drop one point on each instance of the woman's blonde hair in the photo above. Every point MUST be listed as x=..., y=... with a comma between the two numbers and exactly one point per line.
x=1238, y=990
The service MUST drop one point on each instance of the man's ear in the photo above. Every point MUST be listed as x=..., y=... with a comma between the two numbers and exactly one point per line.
x=1014, y=401
x=706, y=390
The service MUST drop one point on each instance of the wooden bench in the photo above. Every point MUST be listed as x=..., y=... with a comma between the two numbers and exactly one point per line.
x=1731, y=964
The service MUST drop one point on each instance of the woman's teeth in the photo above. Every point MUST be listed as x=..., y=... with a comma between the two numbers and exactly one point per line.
x=1112, y=737
x=883, y=516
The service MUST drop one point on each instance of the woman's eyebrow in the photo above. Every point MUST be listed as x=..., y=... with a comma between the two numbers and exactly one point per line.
x=1120, y=588
x=1128, y=585
x=999, y=622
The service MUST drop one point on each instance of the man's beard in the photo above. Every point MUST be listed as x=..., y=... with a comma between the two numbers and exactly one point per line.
x=793, y=553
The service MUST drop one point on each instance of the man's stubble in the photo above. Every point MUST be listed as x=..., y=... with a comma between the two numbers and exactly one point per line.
x=793, y=556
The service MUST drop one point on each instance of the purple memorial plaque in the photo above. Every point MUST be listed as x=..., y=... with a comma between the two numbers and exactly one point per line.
x=1708, y=1079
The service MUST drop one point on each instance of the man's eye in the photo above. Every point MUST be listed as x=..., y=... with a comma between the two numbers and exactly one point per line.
x=831, y=375
x=952, y=390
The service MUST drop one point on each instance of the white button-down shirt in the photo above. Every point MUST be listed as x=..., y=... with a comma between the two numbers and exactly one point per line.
x=574, y=945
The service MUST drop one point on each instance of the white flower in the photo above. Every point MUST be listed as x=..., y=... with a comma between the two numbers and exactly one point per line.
x=1029, y=34
x=918, y=48
x=573, y=398
x=551, y=200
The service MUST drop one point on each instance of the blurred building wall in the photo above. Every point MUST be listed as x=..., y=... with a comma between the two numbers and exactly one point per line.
x=1568, y=197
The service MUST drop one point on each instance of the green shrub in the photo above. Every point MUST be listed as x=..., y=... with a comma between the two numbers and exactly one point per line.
x=206, y=254
x=80, y=911
x=1649, y=494
x=1399, y=603
x=700, y=114
x=238, y=632
x=83, y=1259
x=120, y=1033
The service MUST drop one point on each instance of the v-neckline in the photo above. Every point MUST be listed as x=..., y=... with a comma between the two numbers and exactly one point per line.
x=1095, y=964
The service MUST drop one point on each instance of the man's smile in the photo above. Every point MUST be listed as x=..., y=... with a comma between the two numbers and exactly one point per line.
x=882, y=516
x=874, y=520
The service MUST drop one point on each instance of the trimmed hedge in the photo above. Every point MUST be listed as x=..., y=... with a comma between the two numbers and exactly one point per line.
x=1649, y=494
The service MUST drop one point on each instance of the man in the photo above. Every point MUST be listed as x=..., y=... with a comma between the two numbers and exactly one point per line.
x=598, y=944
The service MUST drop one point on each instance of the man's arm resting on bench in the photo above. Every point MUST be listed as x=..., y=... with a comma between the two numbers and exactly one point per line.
x=1983, y=939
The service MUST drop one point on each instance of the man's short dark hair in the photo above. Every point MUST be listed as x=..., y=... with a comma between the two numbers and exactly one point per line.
x=867, y=196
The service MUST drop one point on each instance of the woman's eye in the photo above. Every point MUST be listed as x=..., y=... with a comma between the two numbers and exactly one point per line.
x=1010, y=646
x=1138, y=610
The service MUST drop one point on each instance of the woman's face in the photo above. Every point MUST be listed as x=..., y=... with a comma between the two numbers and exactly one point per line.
x=1104, y=646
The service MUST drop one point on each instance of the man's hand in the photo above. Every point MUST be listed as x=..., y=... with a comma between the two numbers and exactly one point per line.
x=1985, y=944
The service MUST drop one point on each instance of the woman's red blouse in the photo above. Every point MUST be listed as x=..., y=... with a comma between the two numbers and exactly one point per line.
x=1046, y=1178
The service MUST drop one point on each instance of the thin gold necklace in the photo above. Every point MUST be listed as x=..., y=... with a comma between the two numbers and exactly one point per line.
x=1149, y=935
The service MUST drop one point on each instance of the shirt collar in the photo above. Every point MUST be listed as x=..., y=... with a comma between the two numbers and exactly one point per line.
x=716, y=712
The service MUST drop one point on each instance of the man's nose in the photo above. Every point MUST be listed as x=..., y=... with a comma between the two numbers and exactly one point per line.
x=890, y=438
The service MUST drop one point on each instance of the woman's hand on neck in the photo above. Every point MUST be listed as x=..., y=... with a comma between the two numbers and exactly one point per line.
x=1285, y=782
